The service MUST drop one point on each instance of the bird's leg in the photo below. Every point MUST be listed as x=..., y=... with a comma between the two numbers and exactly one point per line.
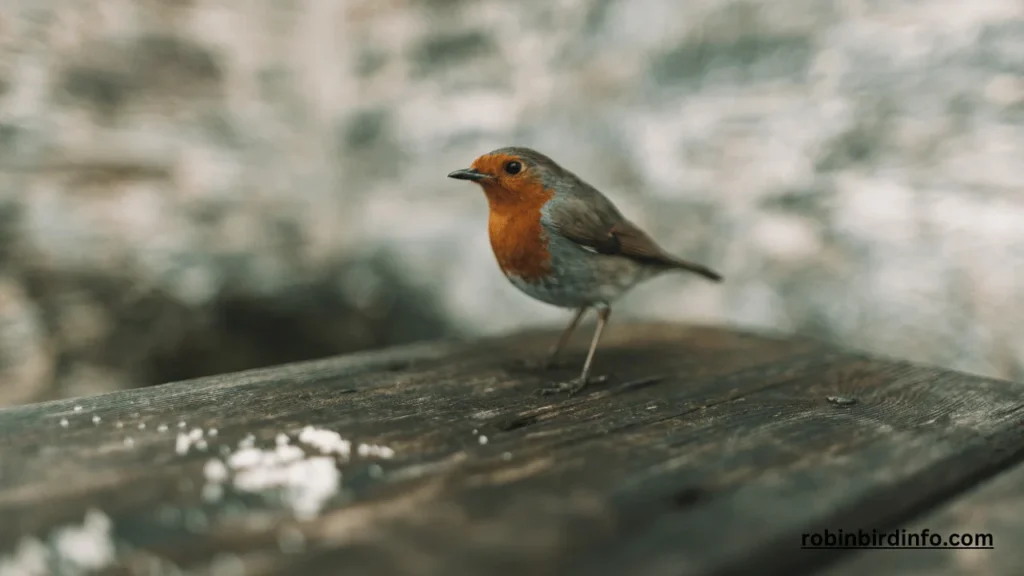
x=551, y=360
x=584, y=378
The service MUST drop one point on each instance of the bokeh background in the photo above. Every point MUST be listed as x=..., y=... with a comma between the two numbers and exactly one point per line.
x=196, y=186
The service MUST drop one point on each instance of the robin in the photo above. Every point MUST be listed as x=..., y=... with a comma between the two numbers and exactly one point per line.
x=561, y=241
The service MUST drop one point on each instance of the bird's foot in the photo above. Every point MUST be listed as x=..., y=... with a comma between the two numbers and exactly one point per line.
x=572, y=387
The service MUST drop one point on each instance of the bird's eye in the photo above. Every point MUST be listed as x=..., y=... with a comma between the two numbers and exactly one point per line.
x=513, y=167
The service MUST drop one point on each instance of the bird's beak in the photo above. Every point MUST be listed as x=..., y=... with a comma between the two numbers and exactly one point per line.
x=469, y=174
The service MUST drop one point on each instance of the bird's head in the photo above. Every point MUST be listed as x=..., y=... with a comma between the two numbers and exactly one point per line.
x=513, y=175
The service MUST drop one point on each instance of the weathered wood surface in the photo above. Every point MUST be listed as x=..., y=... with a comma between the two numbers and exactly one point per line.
x=708, y=452
x=996, y=507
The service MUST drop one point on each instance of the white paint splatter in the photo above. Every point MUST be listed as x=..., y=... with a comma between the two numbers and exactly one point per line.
x=483, y=439
x=248, y=457
x=96, y=419
x=63, y=422
x=215, y=471
x=376, y=450
x=161, y=428
x=182, y=444
x=78, y=408
x=306, y=484
x=330, y=442
x=245, y=457
x=90, y=546
x=185, y=442
x=327, y=441
x=288, y=453
x=303, y=481
x=28, y=559
x=73, y=549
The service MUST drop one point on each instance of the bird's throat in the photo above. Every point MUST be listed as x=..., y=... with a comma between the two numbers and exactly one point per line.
x=519, y=242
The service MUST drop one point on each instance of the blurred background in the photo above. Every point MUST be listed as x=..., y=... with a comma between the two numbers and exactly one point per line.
x=190, y=187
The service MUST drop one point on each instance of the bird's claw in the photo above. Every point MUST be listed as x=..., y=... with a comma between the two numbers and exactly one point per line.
x=572, y=387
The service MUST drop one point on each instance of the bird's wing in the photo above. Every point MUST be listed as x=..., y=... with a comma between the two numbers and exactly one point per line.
x=599, y=227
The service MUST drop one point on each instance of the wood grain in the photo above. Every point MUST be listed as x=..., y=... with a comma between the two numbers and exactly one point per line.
x=995, y=508
x=710, y=451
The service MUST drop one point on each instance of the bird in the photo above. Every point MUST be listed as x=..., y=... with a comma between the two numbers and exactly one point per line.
x=561, y=241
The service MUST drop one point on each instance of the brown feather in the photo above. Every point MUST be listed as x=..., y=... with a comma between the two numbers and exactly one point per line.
x=603, y=229
x=634, y=243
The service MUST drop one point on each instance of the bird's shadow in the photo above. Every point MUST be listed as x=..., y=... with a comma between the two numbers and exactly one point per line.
x=570, y=362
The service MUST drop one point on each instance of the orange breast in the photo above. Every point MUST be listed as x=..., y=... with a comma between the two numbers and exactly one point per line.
x=516, y=235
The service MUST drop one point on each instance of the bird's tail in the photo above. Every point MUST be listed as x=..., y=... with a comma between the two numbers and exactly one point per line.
x=704, y=271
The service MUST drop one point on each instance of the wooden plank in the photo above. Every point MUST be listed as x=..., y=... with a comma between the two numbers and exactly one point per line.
x=715, y=467
x=994, y=509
